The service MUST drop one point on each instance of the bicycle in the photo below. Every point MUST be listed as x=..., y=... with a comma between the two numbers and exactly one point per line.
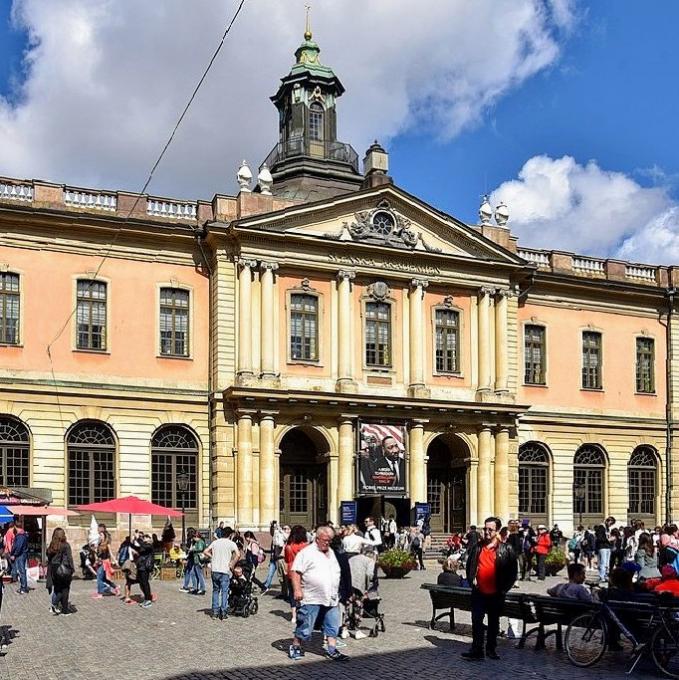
x=588, y=636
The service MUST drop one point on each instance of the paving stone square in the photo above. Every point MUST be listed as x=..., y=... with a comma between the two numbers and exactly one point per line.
x=177, y=640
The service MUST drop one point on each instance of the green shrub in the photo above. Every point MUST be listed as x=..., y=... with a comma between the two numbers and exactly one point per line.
x=556, y=560
x=396, y=558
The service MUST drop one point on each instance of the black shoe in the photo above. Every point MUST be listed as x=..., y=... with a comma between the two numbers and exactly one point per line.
x=492, y=654
x=472, y=656
x=216, y=615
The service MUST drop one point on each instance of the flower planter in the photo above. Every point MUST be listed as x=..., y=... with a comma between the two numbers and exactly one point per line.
x=394, y=572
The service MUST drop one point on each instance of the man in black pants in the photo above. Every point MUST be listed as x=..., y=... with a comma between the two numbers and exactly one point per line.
x=491, y=571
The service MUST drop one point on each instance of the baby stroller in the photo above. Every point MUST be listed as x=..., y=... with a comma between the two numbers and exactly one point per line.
x=241, y=600
x=361, y=608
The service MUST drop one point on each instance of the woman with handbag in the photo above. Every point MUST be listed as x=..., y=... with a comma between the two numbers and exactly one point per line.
x=60, y=570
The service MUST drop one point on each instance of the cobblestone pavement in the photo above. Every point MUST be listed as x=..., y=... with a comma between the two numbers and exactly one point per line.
x=176, y=640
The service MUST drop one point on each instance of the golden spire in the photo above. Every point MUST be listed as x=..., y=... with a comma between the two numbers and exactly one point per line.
x=307, y=32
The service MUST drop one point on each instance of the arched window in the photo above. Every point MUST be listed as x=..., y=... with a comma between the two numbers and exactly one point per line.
x=588, y=484
x=642, y=483
x=91, y=463
x=174, y=451
x=534, y=482
x=14, y=452
x=316, y=122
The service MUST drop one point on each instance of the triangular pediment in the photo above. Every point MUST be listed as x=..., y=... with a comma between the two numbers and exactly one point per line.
x=385, y=217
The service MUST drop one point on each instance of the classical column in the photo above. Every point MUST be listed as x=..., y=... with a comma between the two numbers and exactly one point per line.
x=484, y=338
x=267, y=469
x=417, y=472
x=483, y=480
x=344, y=373
x=245, y=316
x=268, y=331
x=345, y=485
x=416, y=299
x=501, y=371
x=502, y=474
x=244, y=471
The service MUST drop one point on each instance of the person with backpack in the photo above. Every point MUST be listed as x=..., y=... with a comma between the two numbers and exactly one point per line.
x=197, y=559
x=143, y=547
x=373, y=534
x=574, y=544
x=417, y=546
x=527, y=534
x=60, y=570
x=18, y=557
x=254, y=555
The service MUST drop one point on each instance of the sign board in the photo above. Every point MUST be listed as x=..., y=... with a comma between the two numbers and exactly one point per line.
x=348, y=512
x=381, y=459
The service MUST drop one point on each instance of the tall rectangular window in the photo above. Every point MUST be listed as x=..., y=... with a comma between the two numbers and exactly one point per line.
x=447, y=341
x=91, y=315
x=591, y=360
x=303, y=327
x=174, y=322
x=534, y=355
x=9, y=309
x=645, y=365
x=377, y=334
x=316, y=123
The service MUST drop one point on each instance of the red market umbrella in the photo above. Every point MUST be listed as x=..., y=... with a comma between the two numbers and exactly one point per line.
x=132, y=506
x=40, y=511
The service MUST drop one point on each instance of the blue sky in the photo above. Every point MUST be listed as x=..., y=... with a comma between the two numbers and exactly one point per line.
x=607, y=94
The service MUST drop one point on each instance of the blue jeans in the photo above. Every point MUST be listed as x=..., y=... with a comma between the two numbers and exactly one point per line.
x=604, y=561
x=198, y=576
x=188, y=574
x=20, y=563
x=271, y=574
x=103, y=584
x=220, y=586
x=306, y=618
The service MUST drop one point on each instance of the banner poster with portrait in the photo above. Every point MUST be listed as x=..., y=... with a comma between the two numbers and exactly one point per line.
x=381, y=459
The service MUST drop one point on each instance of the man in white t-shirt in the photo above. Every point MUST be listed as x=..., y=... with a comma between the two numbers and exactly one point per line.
x=315, y=580
x=224, y=554
x=373, y=534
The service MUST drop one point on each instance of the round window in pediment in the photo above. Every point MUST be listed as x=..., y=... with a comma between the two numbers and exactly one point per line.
x=383, y=223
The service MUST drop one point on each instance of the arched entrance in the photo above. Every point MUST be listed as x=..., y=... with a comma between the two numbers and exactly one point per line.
x=303, y=477
x=447, y=483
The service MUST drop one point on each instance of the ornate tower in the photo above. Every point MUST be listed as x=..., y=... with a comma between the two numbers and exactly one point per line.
x=308, y=162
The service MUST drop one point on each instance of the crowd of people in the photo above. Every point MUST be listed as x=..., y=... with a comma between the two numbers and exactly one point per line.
x=329, y=576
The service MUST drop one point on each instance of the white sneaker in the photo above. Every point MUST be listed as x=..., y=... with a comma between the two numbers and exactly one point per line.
x=359, y=635
x=344, y=634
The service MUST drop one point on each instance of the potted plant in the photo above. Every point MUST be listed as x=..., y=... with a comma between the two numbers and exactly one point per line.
x=396, y=563
x=555, y=561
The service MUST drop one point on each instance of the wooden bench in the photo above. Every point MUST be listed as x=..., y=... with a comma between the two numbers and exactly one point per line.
x=447, y=597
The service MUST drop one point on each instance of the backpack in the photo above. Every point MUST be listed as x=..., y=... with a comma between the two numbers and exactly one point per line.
x=573, y=543
x=63, y=570
x=415, y=543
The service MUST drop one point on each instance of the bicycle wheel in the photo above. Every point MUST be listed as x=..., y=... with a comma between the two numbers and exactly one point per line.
x=665, y=648
x=586, y=639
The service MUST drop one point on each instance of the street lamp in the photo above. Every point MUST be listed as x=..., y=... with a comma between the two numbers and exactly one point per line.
x=183, y=487
x=579, y=493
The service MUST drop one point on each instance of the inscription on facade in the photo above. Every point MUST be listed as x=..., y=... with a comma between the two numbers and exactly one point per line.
x=372, y=262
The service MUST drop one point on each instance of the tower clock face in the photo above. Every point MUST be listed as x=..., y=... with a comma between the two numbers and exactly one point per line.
x=383, y=223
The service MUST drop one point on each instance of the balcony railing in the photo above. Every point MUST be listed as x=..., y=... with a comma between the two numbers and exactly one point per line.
x=295, y=147
x=589, y=265
x=90, y=199
x=635, y=271
x=177, y=210
x=16, y=192
x=536, y=256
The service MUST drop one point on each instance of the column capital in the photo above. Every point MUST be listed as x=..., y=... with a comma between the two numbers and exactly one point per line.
x=418, y=283
x=245, y=262
x=506, y=293
x=245, y=413
x=417, y=422
x=485, y=427
x=347, y=417
x=486, y=290
x=272, y=266
x=346, y=274
x=267, y=415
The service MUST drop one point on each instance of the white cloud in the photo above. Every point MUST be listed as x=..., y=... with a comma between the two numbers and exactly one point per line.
x=108, y=78
x=557, y=203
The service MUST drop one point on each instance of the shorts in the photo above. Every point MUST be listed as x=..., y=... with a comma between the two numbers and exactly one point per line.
x=306, y=618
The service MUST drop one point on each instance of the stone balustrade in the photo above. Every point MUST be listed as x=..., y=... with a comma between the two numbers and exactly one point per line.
x=638, y=271
x=90, y=199
x=538, y=257
x=16, y=192
x=589, y=265
x=174, y=210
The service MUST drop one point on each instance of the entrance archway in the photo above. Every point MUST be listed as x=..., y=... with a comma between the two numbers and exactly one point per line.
x=447, y=476
x=303, y=477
